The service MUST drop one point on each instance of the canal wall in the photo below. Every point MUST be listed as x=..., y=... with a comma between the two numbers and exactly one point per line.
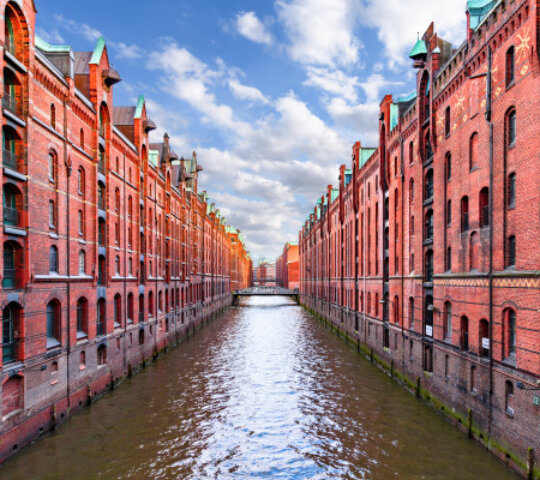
x=73, y=380
x=512, y=439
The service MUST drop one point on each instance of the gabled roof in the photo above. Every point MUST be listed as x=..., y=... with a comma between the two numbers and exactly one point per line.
x=82, y=59
x=140, y=106
x=98, y=51
x=365, y=155
x=418, y=49
x=48, y=48
x=123, y=115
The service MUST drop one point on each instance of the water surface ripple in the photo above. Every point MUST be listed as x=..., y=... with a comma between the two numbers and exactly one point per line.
x=264, y=392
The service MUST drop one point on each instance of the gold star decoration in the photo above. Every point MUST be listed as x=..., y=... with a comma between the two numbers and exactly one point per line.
x=523, y=47
x=460, y=107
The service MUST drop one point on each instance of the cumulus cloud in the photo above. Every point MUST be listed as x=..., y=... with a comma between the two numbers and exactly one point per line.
x=320, y=32
x=249, y=26
x=397, y=22
x=335, y=82
x=86, y=31
x=127, y=52
x=244, y=92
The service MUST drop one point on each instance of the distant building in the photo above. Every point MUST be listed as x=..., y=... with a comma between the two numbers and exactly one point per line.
x=290, y=267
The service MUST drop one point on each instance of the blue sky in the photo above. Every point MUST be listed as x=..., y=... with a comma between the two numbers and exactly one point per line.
x=270, y=93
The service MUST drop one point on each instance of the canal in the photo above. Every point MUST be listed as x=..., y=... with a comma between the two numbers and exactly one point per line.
x=264, y=392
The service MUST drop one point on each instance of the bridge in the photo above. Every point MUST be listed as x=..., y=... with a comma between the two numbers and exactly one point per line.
x=265, y=291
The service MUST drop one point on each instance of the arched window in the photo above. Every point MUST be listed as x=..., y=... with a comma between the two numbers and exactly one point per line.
x=511, y=127
x=396, y=310
x=102, y=355
x=509, y=321
x=160, y=301
x=53, y=324
x=511, y=190
x=508, y=395
x=130, y=207
x=447, y=121
x=82, y=360
x=473, y=253
x=117, y=265
x=80, y=221
x=117, y=310
x=102, y=237
x=428, y=150
x=141, y=308
x=101, y=319
x=447, y=322
x=510, y=66
x=11, y=141
x=473, y=151
x=101, y=196
x=12, y=205
x=52, y=215
x=449, y=213
x=411, y=153
x=411, y=190
x=428, y=191
x=52, y=167
x=511, y=251
x=464, y=214
x=130, y=307
x=101, y=270
x=448, y=167
x=117, y=199
x=53, y=116
x=101, y=160
x=429, y=225
x=10, y=318
x=411, y=313
x=81, y=139
x=151, y=304
x=483, y=207
x=53, y=259
x=82, y=317
x=483, y=338
x=81, y=182
x=464, y=334
x=82, y=262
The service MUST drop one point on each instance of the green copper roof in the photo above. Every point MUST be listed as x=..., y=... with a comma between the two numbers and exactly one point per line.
x=394, y=116
x=153, y=157
x=418, y=49
x=478, y=10
x=365, y=155
x=334, y=194
x=98, y=51
x=407, y=98
x=140, y=105
x=47, y=47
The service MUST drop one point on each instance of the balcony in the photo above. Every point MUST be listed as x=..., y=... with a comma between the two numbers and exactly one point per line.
x=10, y=160
x=9, y=102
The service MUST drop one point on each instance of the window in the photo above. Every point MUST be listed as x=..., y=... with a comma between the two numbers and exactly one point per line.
x=428, y=193
x=447, y=326
x=473, y=151
x=117, y=199
x=80, y=182
x=483, y=337
x=411, y=313
x=53, y=116
x=465, y=214
x=447, y=121
x=52, y=215
x=448, y=260
x=101, y=160
x=101, y=196
x=411, y=190
x=101, y=319
x=82, y=318
x=117, y=265
x=130, y=267
x=428, y=152
x=511, y=251
x=81, y=223
x=130, y=207
x=102, y=237
x=473, y=254
x=448, y=167
x=102, y=355
x=472, y=381
x=82, y=262
x=449, y=212
x=464, y=334
x=411, y=153
x=396, y=310
x=510, y=66
x=508, y=395
x=81, y=139
x=52, y=167
x=429, y=225
x=511, y=128
x=10, y=316
x=429, y=267
x=151, y=304
x=130, y=306
x=117, y=310
x=511, y=190
x=509, y=320
x=53, y=259
x=483, y=207
x=101, y=270
x=53, y=324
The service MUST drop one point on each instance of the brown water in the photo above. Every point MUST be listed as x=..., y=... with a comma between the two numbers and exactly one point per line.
x=264, y=392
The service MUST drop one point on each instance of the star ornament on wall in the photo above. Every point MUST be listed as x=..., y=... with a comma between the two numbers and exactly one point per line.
x=523, y=47
x=460, y=104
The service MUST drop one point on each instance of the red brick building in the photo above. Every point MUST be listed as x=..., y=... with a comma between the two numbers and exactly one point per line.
x=428, y=252
x=290, y=266
x=110, y=253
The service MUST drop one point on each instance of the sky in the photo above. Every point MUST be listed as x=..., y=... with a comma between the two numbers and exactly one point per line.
x=271, y=94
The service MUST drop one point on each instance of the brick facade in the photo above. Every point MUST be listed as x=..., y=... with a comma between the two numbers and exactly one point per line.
x=110, y=252
x=428, y=253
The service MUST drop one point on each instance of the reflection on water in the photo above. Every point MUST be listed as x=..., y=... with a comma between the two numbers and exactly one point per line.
x=265, y=392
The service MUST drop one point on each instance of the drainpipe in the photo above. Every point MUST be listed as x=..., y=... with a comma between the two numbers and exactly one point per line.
x=402, y=236
x=364, y=228
x=125, y=260
x=490, y=124
x=67, y=163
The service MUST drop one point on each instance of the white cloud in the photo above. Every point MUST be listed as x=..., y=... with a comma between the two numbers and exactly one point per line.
x=248, y=25
x=320, y=32
x=244, y=92
x=398, y=21
x=335, y=82
x=127, y=52
x=86, y=31
x=52, y=36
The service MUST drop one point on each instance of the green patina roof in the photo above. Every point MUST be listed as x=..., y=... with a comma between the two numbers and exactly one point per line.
x=478, y=10
x=47, y=47
x=394, y=115
x=365, y=155
x=407, y=98
x=334, y=194
x=140, y=105
x=153, y=157
x=98, y=51
x=418, y=49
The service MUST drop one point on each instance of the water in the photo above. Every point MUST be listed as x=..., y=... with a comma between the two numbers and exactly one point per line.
x=264, y=392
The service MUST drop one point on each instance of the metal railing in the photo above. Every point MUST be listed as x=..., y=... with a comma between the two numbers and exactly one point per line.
x=10, y=103
x=11, y=47
x=10, y=159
